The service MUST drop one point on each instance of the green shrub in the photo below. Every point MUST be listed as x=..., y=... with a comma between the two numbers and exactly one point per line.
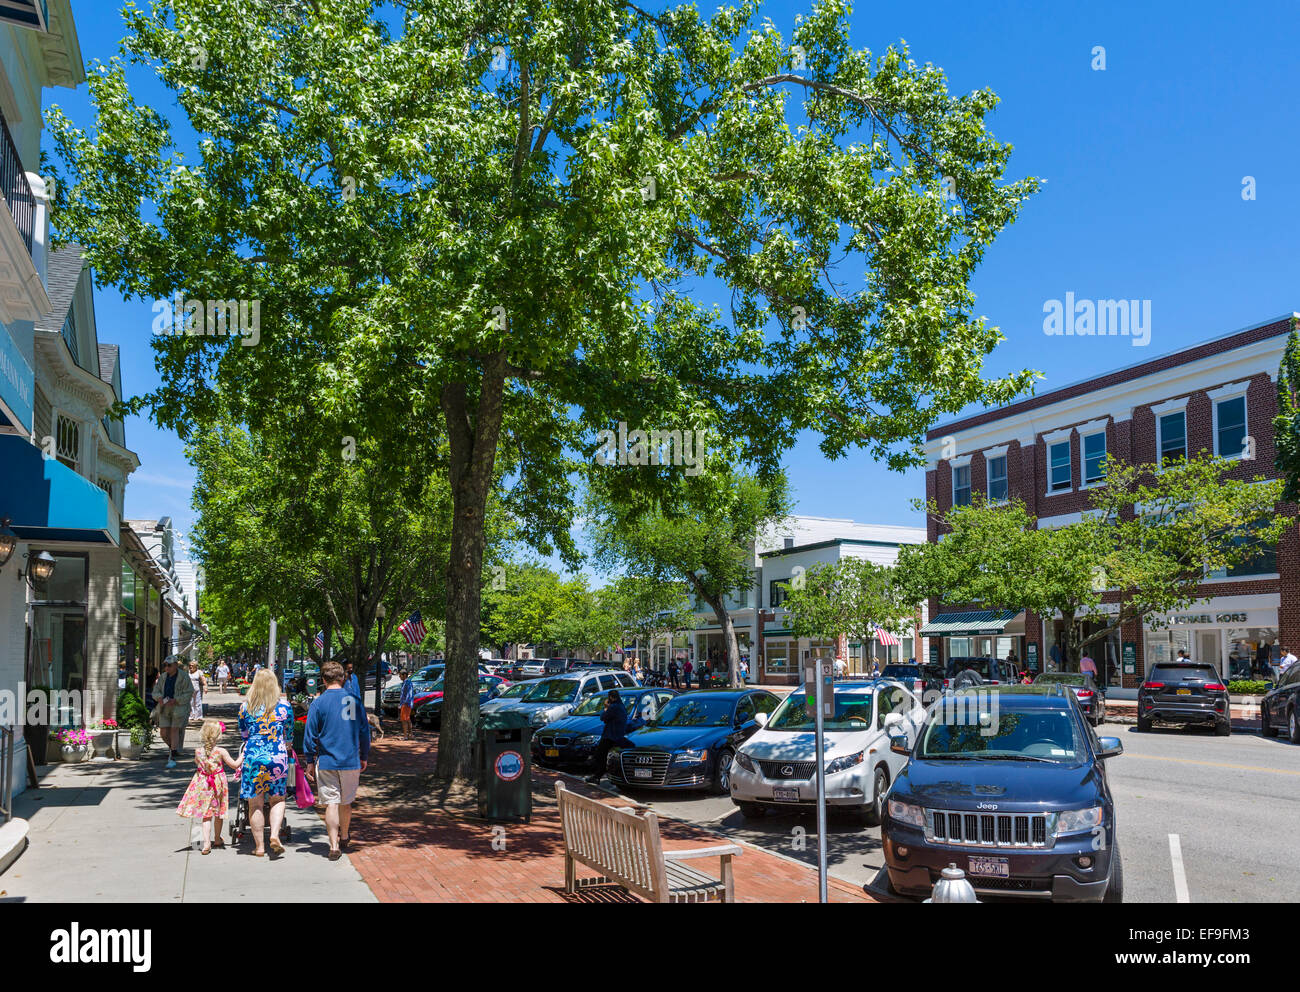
x=132, y=714
x=1249, y=687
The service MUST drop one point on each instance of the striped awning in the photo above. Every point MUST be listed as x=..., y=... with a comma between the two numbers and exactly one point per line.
x=969, y=624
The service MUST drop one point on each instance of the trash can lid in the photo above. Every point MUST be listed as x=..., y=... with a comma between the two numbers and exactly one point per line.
x=504, y=720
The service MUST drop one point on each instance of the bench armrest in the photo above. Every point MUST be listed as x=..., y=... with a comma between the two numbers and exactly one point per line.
x=722, y=850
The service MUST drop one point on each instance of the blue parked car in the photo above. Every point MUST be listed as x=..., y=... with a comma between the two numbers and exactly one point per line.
x=573, y=740
x=1009, y=784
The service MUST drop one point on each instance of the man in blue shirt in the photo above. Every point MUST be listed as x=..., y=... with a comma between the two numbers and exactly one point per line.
x=407, y=701
x=335, y=746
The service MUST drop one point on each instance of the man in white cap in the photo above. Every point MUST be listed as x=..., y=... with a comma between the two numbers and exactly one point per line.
x=172, y=710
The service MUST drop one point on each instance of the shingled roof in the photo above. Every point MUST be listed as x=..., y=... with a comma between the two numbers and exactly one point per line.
x=63, y=272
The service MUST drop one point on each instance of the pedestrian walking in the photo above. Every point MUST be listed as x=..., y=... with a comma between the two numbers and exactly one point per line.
x=336, y=746
x=839, y=667
x=407, y=701
x=744, y=670
x=673, y=673
x=265, y=724
x=173, y=690
x=1087, y=666
x=223, y=675
x=613, y=734
x=200, y=683
x=686, y=673
x=636, y=672
x=705, y=674
x=206, y=799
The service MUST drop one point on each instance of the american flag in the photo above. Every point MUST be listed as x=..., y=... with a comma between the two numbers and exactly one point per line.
x=320, y=640
x=412, y=628
x=885, y=637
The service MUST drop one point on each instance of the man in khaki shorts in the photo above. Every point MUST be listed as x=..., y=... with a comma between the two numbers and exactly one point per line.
x=335, y=746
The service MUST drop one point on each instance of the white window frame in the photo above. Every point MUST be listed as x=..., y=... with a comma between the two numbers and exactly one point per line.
x=1164, y=410
x=1050, y=441
x=1084, y=481
x=1221, y=395
x=988, y=479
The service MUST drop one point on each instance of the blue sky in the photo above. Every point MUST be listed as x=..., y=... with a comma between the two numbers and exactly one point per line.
x=1144, y=165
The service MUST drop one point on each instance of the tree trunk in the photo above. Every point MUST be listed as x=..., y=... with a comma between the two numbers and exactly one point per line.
x=729, y=638
x=473, y=447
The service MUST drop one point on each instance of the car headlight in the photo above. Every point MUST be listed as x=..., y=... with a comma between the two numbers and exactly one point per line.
x=742, y=759
x=690, y=754
x=538, y=718
x=1071, y=821
x=588, y=740
x=907, y=813
x=844, y=763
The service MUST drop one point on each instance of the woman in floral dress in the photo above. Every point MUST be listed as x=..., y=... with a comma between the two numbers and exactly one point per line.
x=206, y=798
x=265, y=723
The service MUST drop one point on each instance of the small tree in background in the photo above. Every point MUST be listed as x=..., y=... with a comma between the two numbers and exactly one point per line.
x=850, y=596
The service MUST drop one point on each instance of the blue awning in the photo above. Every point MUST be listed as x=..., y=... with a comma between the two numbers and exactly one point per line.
x=47, y=501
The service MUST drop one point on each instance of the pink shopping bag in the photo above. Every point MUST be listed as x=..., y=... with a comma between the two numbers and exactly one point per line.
x=302, y=788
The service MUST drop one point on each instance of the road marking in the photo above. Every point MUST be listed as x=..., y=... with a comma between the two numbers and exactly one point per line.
x=1212, y=764
x=1180, y=876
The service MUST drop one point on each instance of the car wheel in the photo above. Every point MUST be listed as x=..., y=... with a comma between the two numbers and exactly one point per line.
x=1223, y=729
x=879, y=786
x=751, y=811
x=1293, y=725
x=722, y=772
x=1144, y=725
x=1265, y=727
x=1115, y=890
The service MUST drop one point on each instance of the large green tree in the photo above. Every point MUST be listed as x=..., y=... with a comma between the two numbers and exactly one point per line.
x=492, y=216
x=1190, y=519
x=1286, y=423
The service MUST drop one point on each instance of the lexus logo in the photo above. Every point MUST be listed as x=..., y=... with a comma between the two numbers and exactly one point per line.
x=787, y=770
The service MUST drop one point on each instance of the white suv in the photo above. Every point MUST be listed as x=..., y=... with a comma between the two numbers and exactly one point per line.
x=776, y=767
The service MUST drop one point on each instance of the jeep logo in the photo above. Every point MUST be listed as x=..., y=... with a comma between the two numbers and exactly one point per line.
x=986, y=805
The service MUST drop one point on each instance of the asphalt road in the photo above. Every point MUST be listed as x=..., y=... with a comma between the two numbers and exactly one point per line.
x=1229, y=805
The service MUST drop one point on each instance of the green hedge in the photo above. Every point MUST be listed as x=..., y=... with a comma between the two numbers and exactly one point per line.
x=1249, y=687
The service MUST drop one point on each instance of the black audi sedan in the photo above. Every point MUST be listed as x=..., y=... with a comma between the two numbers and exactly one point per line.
x=573, y=740
x=1009, y=784
x=692, y=742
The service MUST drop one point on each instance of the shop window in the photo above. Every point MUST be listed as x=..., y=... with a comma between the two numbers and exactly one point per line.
x=1230, y=421
x=1252, y=651
x=961, y=485
x=778, y=654
x=997, y=468
x=1172, y=428
x=1059, y=470
x=1094, y=454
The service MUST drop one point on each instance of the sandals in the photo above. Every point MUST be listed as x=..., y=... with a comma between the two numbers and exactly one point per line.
x=259, y=854
x=218, y=843
x=276, y=847
x=335, y=855
x=206, y=850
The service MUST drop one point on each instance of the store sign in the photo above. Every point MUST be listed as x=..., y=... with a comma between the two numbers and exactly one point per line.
x=1220, y=618
x=17, y=380
x=1031, y=656
x=934, y=654
x=1130, y=658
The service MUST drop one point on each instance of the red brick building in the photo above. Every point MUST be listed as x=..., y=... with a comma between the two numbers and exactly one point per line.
x=1046, y=450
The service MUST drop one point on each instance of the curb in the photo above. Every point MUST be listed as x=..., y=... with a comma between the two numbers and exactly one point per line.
x=13, y=841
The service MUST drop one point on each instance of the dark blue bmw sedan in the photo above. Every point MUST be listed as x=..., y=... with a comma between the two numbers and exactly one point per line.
x=1009, y=784
x=692, y=742
x=573, y=740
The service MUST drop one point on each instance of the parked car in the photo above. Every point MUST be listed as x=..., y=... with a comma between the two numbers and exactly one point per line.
x=777, y=767
x=555, y=666
x=909, y=675
x=693, y=741
x=1280, y=707
x=573, y=740
x=514, y=693
x=533, y=668
x=1091, y=696
x=556, y=697
x=1009, y=784
x=427, y=709
x=1185, y=693
x=994, y=671
x=391, y=697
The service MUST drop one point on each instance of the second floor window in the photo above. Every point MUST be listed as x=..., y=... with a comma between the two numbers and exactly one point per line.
x=1094, y=453
x=1231, y=413
x=777, y=590
x=68, y=443
x=961, y=485
x=998, y=479
x=1173, y=436
x=1059, y=466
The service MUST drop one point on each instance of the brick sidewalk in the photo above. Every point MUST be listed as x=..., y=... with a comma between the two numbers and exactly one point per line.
x=410, y=846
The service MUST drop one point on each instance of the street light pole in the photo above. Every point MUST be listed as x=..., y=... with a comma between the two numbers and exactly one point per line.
x=380, y=613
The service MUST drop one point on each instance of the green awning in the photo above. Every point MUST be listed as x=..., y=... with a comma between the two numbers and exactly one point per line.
x=969, y=624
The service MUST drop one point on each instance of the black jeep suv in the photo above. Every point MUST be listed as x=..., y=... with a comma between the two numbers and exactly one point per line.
x=1184, y=692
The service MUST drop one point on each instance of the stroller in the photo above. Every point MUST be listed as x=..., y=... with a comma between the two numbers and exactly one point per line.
x=239, y=823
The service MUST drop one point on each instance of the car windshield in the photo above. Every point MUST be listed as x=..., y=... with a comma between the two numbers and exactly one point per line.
x=852, y=712
x=901, y=672
x=515, y=691
x=593, y=705
x=697, y=711
x=552, y=691
x=971, y=726
x=429, y=673
x=1068, y=678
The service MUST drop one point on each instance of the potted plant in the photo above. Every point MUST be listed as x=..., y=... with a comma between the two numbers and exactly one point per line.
x=74, y=742
x=138, y=742
x=103, y=735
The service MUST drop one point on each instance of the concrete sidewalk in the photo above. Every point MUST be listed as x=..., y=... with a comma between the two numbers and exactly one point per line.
x=103, y=831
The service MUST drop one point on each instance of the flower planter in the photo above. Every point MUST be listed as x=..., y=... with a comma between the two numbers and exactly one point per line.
x=129, y=751
x=103, y=741
x=73, y=753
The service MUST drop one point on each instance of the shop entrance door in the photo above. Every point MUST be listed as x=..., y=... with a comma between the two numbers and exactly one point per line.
x=1208, y=649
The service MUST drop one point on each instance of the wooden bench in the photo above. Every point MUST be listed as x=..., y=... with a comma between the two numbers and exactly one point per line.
x=624, y=846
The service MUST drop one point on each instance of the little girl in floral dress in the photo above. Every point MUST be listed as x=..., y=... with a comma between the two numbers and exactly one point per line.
x=206, y=797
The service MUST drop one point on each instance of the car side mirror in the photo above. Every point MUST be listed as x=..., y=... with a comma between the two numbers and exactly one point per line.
x=761, y=719
x=898, y=744
x=1108, y=747
x=893, y=720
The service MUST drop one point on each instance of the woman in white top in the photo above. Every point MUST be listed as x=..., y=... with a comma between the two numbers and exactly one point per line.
x=200, y=683
x=223, y=674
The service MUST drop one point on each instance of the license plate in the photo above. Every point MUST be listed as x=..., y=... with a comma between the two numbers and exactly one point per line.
x=643, y=773
x=786, y=795
x=552, y=752
x=990, y=867
x=1184, y=692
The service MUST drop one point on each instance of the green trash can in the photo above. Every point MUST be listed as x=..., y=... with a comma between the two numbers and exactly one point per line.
x=505, y=766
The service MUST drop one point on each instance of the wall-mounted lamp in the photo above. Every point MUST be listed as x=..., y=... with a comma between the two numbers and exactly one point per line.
x=40, y=567
x=8, y=541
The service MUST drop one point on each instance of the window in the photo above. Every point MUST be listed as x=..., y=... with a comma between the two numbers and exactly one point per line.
x=765, y=702
x=1173, y=436
x=961, y=485
x=744, y=710
x=606, y=682
x=68, y=442
x=1094, y=453
x=997, y=479
x=107, y=486
x=1059, y=466
x=777, y=590
x=1230, y=418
